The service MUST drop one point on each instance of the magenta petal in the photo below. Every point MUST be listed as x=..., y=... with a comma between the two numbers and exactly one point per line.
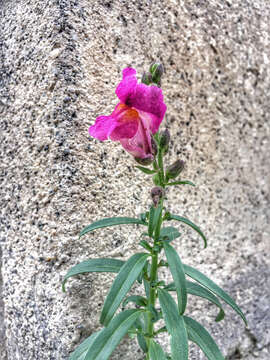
x=150, y=100
x=140, y=145
x=131, y=147
x=127, y=121
x=127, y=86
x=124, y=131
x=128, y=72
x=102, y=128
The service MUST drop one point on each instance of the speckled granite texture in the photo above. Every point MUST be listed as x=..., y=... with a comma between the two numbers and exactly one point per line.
x=60, y=63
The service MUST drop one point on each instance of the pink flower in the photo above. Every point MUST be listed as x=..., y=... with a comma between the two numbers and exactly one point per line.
x=135, y=118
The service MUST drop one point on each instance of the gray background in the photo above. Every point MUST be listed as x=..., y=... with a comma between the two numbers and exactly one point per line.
x=60, y=63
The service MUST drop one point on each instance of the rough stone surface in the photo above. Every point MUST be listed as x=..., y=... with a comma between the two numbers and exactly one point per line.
x=60, y=63
x=3, y=353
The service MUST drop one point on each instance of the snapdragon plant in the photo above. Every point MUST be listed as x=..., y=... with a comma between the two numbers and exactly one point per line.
x=135, y=124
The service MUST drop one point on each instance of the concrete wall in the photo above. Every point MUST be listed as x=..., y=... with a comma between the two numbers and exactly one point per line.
x=60, y=63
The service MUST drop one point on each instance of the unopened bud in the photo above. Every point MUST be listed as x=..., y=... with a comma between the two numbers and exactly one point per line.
x=175, y=169
x=156, y=194
x=157, y=70
x=145, y=161
x=154, y=146
x=165, y=139
x=147, y=78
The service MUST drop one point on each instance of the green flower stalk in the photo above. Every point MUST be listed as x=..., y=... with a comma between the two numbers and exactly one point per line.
x=135, y=124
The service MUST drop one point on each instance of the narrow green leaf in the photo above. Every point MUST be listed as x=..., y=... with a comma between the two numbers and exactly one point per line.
x=142, y=343
x=81, y=350
x=143, y=218
x=121, y=285
x=158, y=211
x=144, y=234
x=161, y=330
x=140, y=277
x=156, y=180
x=110, y=222
x=145, y=245
x=178, y=274
x=136, y=299
x=169, y=232
x=93, y=265
x=171, y=287
x=146, y=287
x=155, y=351
x=151, y=221
x=145, y=170
x=137, y=326
x=189, y=223
x=109, y=337
x=198, y=290
x=184, y=182
x=138, y=323
x=154, y=215
x=200, y=336
x=169, y=309
x=175, y=325
x=209, y=284
x=143, y=272
x=144, y=319
x=155, y=314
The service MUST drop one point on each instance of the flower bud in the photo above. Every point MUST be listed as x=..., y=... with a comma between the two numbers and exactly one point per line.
x=175, y=169
x=156, y=194
x=157, y=70
x=147, y=78
x=164, y=139
x=146, y=161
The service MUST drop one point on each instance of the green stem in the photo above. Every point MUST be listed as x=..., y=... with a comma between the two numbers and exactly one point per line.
x=155, y=253
x=153, y=277
x=161, y=170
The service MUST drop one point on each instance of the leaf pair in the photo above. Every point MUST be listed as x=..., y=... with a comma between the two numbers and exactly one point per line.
x=209, y=284
x=100, y=345
x=182, y=329
x=198, y=290
x=178, y=272
x=126, y=277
